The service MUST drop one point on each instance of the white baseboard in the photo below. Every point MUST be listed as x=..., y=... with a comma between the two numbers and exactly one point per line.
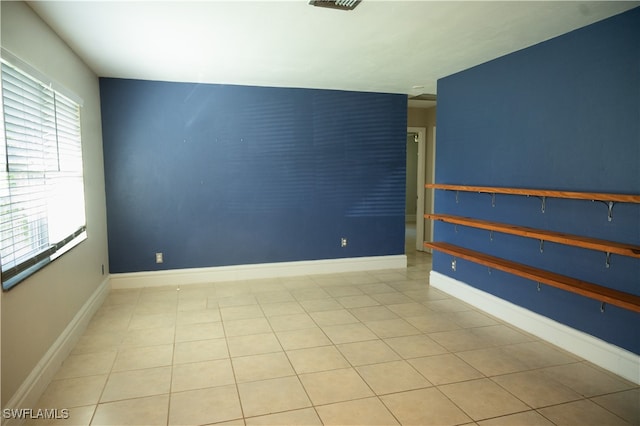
x=610, y=357
x=255, y=271
x=37, y=381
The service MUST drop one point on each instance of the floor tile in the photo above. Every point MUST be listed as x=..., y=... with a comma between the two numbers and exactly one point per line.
x=500, y=334
x=432, y=322
x=305, y=416
x=536, y=389
x=445, y=368
x=274, y=297
x=527, y=418
x=375, y=288
x=494, y=400
x=391, y=377
x=260, y=367
x=199, y=375
x=198, y=317
x=392, y=298
x=253, y=344
x=149, y=411
x=368, y=352
x=493, y=361
x=414, y=346
x=587, y=380
x=347, y=333
x=368, y=411
x=357, y=301
x=202, y=406
x=143, y=357
x=272, y=396
x=204, y=331
x=344, y=290
x=316, y=359
x=282, y=308
x=319, y=305
x=337, y=317
x=424, y=407
x=200, y=350
x=86, y=365
x=309, y=294
x=291, y=322
x=146, y=321
x=373, y=313
x=412, y=309
x=583, y=412
x=447, y=305
x=241, y=312
x=149, y=337
x=99, y=342
x=539, y=354
x=392, y=328
x=76, y=392
x=137, y=383
x=624, y=404
x=470, y=319
x=326, y=387
x=460, y=340
x=299, y=339
x=244, y=327
x=238, y=300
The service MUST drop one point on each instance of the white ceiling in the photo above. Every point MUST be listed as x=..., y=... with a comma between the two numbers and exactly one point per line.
x=381, y=46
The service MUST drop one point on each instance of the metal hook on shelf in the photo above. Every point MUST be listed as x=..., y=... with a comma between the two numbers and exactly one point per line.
x=538, y=286
x=541, y=246
x=602, y=305
x=607, y=261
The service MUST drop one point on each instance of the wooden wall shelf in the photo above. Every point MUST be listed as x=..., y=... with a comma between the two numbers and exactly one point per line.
x=598, y=196
x=543, y=235
x=593, y=291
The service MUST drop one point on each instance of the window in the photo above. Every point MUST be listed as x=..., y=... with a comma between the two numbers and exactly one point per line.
x=41, y=183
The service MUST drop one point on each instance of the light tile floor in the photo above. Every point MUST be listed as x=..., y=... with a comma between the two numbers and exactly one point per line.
x=378, y=347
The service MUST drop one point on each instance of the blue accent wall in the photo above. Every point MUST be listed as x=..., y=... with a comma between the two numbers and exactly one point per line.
x=562, y=115
x=215, y=175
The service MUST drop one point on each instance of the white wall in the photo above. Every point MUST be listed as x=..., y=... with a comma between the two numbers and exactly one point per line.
x=37, y=311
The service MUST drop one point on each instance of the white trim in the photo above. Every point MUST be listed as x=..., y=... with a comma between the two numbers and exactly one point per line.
x=420, y=181
x=610, y=357
x=255, y=271
x=37, y=381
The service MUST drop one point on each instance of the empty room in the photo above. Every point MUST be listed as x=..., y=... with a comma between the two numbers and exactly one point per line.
x=349, y=212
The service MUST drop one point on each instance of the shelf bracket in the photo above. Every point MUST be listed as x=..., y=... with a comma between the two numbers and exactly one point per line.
x=544, y=202
x=491, y=235
x=538, y=285
x=610, y=213
x=609, y=205
x=607, y=261
x=493, y=199
x=541, y=246
x=602, y=305
x=457, y=197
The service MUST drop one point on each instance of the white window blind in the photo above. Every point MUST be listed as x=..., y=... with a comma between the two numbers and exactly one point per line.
x=41, y=184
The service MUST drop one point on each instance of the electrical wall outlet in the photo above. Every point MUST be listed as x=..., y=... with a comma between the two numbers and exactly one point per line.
x=343, y=242
x=159, y=258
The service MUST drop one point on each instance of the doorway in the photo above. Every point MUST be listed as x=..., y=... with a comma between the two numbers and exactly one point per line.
x=420, y=170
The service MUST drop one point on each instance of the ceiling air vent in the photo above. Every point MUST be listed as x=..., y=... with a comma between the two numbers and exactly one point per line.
x=336, y=4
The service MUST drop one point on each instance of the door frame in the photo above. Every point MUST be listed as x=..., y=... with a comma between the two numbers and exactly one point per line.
x=420, y=181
